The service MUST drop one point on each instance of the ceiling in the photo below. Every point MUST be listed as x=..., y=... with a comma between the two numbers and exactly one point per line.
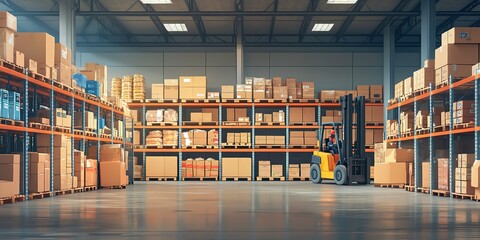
x=265, y=22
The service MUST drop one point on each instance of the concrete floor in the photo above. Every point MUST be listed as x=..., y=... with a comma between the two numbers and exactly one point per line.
x=243, y=210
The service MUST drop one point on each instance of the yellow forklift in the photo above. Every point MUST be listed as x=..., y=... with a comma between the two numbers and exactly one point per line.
x=339, y=158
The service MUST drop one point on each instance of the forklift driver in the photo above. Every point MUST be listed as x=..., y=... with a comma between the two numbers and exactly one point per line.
x=331, y=146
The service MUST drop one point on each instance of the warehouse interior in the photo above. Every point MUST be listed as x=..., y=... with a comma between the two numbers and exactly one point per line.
x=200, y=119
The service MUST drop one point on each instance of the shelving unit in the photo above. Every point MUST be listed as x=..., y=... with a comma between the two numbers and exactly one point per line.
x=251, y=108
x=19, y=138
x=466, y=88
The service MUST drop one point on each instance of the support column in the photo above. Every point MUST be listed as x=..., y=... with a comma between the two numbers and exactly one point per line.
x=67, y=29
x=428, y=28
x=239, y=49
x=388, y=63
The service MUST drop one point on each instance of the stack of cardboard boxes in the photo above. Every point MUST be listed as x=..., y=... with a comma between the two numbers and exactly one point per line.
x=193, y=87
x=39, y=47
x=475, y=178
x=63, y=64
x=170, y=88
x=159, y=115
x=79, y=167
x=89, y=120
x=372, y=92
x=112, y=166
x=62, y=159
x=38, y=172
x=161, y=166
x=406, y=122
x=423, y=77
x=228, y=92
x=199, y=167
x=302, y=115
x=464, y=111
x=458, y=52
x=236, y=167
x=91, y=172
x=199, y=137
x=443, y=174
x=269, y=140
x=154, y=138
x=237, y=115
x=463, y=174
x=97, y=81
x=303, y=138
x=242, y=138
x=8, y=27
x=9, y=175
x=116, y=88
x=395, y=169
x=275, y=117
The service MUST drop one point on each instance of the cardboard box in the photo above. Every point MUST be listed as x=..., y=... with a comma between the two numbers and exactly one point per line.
x=369, y=137
x=296, y=115
x=196, y=117
x=229, y=167
x=305, y=170
x=260, y=140
x=228, y=91
x=399, y=89
x=37, y=46
x=264, y=169
x=339, y=93
x=465, y=160
x=327, y=95
x=20, y=59
x=7, y=39
x=199, y=167
x=170, y=92
x=258, y=117
x=63, y=54
x=277, y=170
x=461, y=35
x=363, y=90
x=7, y=20
x=308, y=114
x=395, y=155
x=279, y=116
x=111, y=173
x=267, y=117
x=426, y=174
x=280, y=92
x=240, y=113
x=277, y=82
x=391, y=173
x=376, y=91
x=32, y=65
x=308, y=90
x=455, y=72
x=293, y=170
x=408, y=86
x=443, y=174
x=157, y=91
x=448, y=54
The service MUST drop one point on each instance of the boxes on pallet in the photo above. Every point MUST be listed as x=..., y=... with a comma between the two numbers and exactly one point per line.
x=461, y=35
x=426, y=174
x=363, y=90
x=280, y=92
x=391, y=173
x=379, y=153
x=399, y=89
x=157, y=91
x=305, y=170
x=376, y=92
x=37, y=46
x=38, y=172
x=308, y=90
x=112, y=173
x=443, y=174
x=395, y=155
x=112, y=153
x=170, y=90
x=79, y=167
x=9, y=175
x=407, y=86
x=293, y=170
x=227, y=91
x=264, y=168
x=161, y=166
x=91, y=172
x=460, y=54
x=277, y=170
x=339, y=93
x=423, y=77
x=327, y=95
x=236, y=167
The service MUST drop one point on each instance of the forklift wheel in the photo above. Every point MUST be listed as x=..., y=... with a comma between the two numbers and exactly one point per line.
x=340, y=174
x=315, y=173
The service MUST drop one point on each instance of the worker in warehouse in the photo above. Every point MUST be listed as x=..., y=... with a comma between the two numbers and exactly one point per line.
x=331, y=146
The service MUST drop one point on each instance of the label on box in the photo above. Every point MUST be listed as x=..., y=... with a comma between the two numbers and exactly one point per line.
x=186, y=80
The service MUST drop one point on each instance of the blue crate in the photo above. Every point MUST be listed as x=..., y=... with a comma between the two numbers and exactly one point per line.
x=81, y=80
x=102, y=123
x=14, y=102
x=5, y=104
x=93, y=87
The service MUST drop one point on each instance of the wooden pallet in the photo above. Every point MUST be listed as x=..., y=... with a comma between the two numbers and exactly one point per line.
x=303, y=124
x=407, y=134
x=330, y=101
x=63, y=192
x=236, y=100
x=161, y=146
x=392, y=101
x=78, y=132
x=161, y=100
x=398, y=185
x=40, y=195
x=270, y=146
x=374, y=124
x=200, y=178
x=463, y=125
x=79, y=92
x=62, y=86
x=422, y=131
x=40, y=126
x=409, y=188
x=162, y=124
x=298, y=179
x=374, y=100
x=104, y=135
x=270, y=100
x=442, y=84
x=90, y=134
x=236, y=145
x=235, y=123
x=200, y=147
x=13, y=199
x=115, y=187
x=421, y=91
x=200, y=100
x=463, y=196
x=442, y=128
x=406, y=97
x=302, y=146
x=303, y=100
x=161, y=179
x=137, y=179
x=135, y=100
x=78, y=190
x=37, y=76
x=423, y=190
x=12, y=122
x=441, y=193
x=62, y=129
x=392, y=137
x=269, y=124
x=189, y=123
x=270, y=178
x=90, y=188
x=236, y=179
x=11, y=65
x=369, y=146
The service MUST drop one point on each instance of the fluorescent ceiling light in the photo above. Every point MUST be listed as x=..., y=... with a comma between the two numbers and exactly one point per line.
x=322, y=27
x=156, y=1
x=341, y=1
x=175, y=27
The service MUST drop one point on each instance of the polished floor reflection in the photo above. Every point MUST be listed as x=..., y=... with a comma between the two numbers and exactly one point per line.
x=242, y=210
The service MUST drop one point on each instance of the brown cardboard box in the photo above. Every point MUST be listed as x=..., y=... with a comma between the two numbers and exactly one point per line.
x=293, y=170
x=264, y=168
x=279, y=140
x=369, y=137
x=399, y=89
x=32, y=65
x=258, y=117
x=395, y=155
x=369, y=114
x=280, y=92
x=296, y=114
x=279, y=116
x=455, y=71
x=199, y=137
x=296, y=134
x=231, y=114
x=466, y=160
x=260, y=140
x=63, y=54
x=408, y=86
x=240, y=113
x=426, y=174
x=277, y=82
x=305, y=170
x=111, y=153
x=277, y=170
x=327, y=95
x=377, y=135
x=461, y=35
x=270, y=140
x=213, y=112
x=7, y=20
x=339, y=93
x=170, y=92
x=443, y=174
x=7, y=39
x=267, y=118
x=37, y=46
x=468, y=104
x=296, y=141
x=155, y=166
x=376, y=91
x=363, y=90
x=213, y=95
x=292, y=93
x=227, y=91
x=199, y=167
x=244, y=137
x=391, y=173
x=308, y=90
x=157, y=91
x=244, y=167
x=20, y=59
x=308, y=114
x=111, y=173
x=465, y=112
x=199, y=93
x=196, y=117
x=456, y=54
x=475, y=173
x=377, y=114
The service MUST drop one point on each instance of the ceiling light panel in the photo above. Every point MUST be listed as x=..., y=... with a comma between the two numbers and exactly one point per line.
x=341, y=1
x=156, y=1
x=322, y=27
x=175, y=27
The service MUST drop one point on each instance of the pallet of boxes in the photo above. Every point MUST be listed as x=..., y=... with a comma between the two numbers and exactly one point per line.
x=269, y=172
x=161, y=168
x=193, y=88
x=299, y=172
x=10, y=178
x=200, y=169
x=197, y=138
x=112, y=167
x=372, y=93
x=392, y=166
x=236, y=169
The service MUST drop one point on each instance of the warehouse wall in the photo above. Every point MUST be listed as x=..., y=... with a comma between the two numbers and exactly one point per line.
x=329, y=70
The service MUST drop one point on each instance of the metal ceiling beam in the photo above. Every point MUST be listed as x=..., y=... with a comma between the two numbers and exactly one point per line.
x=245, y=13
x=272, y=24
x=449, y=22
x=32, y=18
x=412, y=22
x=156, y=21
x=115, y=24
x=388, y=20
x=312, y=7
x=476, y=24
x=346, y=24
x=193, y=7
